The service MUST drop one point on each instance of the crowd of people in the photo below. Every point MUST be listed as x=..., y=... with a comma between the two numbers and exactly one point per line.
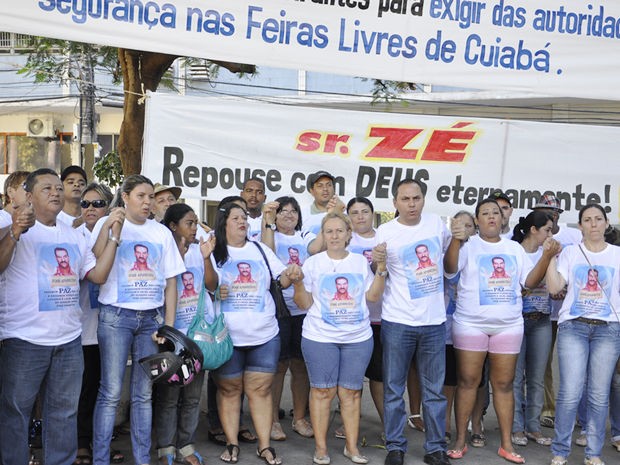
x=459, y=314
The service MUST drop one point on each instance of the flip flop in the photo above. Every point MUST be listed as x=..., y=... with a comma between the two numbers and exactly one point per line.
x=83, y=460
x=217, y=438
x=478, y=440
x=233, y=453
x=245, y=435
x=274, y=459
x=116, y=456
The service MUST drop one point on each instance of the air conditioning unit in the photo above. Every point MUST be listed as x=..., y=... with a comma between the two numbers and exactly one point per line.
x=40, y=126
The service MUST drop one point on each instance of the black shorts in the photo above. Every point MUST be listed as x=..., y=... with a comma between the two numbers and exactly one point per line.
x=374, y=371
x=290, y=337
x=450, y=377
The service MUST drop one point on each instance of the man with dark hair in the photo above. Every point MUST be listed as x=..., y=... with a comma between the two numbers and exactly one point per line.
x=141, y=253
x=74, y=181
x=64, y=262
x=188, y=285
x=321, y=187
x=342, y=289
x=245, y=273
x=499, y=268
x=40, y=323
x=505, y=205
x=413, y=322
x=253, y=193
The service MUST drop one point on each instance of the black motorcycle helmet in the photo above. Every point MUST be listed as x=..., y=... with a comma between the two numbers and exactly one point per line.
x=178, y=361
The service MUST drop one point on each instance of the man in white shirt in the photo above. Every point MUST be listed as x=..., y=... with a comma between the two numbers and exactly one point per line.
x=413, y=322
x=253, y=193
x=74, y=182
x=321, y=187
x=505, y=204
x=163, y=197
x=40, y=322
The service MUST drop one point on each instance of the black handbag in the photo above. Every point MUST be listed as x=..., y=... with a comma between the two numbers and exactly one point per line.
x=275, y=289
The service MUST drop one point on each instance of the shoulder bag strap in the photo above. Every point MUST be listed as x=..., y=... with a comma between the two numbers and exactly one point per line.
x=262, y=252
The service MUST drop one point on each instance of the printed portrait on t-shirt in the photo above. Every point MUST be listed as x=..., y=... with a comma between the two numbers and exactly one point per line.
x=295, y=253
x=362, y=250
x=498, y=279
x=63, y=261
x=139, y=272
x=422, y=264
x=58, y=279
x=590, y=284
x=189, y=287
x=342, y=289
x=341, y=298
x=246, y=286
x=245, y=273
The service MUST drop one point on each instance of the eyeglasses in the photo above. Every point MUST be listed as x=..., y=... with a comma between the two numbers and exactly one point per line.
x=288, y=212
x=94, y=203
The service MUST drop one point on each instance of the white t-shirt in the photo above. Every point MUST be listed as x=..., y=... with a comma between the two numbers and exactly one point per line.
x=311, y=221
x=363, y=246
x=189, y=288
x=66, y=218
x=249, y=309
x=89, y=301
x=339, y=312
x=255, y=226
x=40, y=291
x=5, y=219
x=537, y=300
x=488, y=296
x=565, y=236
x=146, y=257
x=568, y=236
x=587, y=299
x=413, y=292
x=292, y=249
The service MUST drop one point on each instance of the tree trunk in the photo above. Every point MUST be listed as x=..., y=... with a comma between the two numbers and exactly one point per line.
x=142, y=71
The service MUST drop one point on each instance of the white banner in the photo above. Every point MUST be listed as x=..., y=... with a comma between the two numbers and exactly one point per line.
x=552, y=47
x=209, y=147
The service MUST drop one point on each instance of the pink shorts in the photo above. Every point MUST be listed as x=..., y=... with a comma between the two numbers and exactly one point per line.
x=492, y=340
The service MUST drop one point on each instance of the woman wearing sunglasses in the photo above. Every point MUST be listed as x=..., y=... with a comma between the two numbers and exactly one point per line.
x=95, y=204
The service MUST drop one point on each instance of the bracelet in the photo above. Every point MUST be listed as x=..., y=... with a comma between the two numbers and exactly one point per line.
x=115, y=240
x=12, y=235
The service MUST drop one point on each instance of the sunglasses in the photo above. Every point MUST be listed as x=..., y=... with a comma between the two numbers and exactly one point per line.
x=94, y=203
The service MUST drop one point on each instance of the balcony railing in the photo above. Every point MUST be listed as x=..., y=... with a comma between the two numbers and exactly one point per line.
x=11, y=42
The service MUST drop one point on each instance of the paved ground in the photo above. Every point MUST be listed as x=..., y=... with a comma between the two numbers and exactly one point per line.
x=298, y=451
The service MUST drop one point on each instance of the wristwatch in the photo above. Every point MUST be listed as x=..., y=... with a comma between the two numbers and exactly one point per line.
x=382, y=274
x=271, y=226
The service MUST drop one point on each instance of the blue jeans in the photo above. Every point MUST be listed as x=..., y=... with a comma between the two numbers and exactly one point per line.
x=26, y=368
x=332, y=364
x=427, y=344
x=614, y=407
x=530, y=373
x=176, y=413
x=120, y=331
x=585, y=351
